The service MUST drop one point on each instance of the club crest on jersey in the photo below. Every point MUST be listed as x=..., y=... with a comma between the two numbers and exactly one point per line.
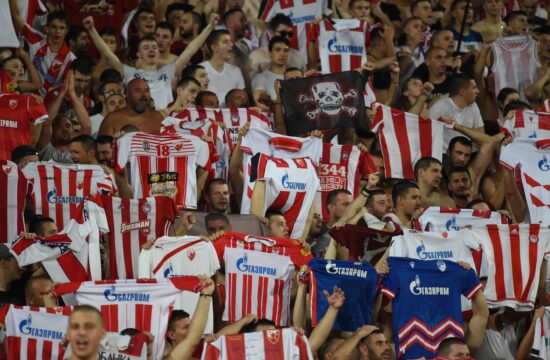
x=7, y=169
x=411, y=264
x=146, y=145
x=191, y=254
x=533, y=238
x=25, y=327
x=543, y=164
x=329, y=99
x=79, y=186
x=146, y=207
x=273, y=336
x=441, y=265
x=13, y=103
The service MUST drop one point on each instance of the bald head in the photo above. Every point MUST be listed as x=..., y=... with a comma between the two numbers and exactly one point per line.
x=138, y=95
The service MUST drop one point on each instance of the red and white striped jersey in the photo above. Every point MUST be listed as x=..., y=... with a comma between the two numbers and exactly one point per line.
x=132, y=223
x=71, y=255
x=342, y=44
x=533, y=157
x=301, y=12
x=290, y=186
x=513, y=254
x=140, y=304
x=342, y=167
x=58, y=189
x=14, y=188
x=20, y=112
x=180, y=256
x=259, y=273
x=442, y=219
x=545, y=107
x=405, y=138
x=220, y=148
x=283, y=344
x=541, y=346
x=162, y=165
x=275, y=145
x=515, y=63
x=528, y=124
x=35, y=333
x=232, y=118
x=29, y=9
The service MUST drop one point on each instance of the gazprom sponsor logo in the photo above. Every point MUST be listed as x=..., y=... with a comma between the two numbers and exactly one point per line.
x=168, y=271
x=417, y=289
x=432, y=255
x=543, y=164
x=301, y=19
x=112, y=295
x=26, y=328
x=451, y=224
x=334, y=47
x=332, y=268
x=54, y=199
x=292, y=185
x=242, y=265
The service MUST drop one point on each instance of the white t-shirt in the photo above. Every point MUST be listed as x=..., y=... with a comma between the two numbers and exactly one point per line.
x=468, y=117
x=96, y=121
x=160, y=82
x=266, y=81
x=221, y=83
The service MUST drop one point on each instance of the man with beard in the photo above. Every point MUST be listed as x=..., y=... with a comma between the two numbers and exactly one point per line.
x=217, y=196
x=459, y=185
x=374, y=346
x=428, y=174
x=237, y=98
x=187, y=25
x=57, y=149
x=137, y=112
x=104, y=149
x=111, y=95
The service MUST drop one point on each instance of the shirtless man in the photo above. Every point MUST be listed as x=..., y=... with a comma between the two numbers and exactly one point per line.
x=491, y=27
x=428, y=174
x=137, y=112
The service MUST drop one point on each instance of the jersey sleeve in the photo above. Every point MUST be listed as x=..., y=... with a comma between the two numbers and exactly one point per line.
x=145, y=264
x=121, y=152
x=213, y=262
x=203, y=153
x=37, y=111
x=470, y=283
x=508, y=157
x=397, y=247
x=366, y=165
x=31, y=36
x=390, y=282
x=470, y=240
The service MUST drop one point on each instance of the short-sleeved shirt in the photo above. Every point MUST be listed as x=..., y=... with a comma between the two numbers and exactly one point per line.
x=221, y=83
x=160, y=82
x=470, y=117
x=266, y=81
x=51, y=153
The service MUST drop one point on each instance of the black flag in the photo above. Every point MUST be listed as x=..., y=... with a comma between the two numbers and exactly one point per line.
x=329, y=101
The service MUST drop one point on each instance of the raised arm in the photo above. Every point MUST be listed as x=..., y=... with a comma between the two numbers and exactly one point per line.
x=346, y=348
x=114, y=61
x=79, y=108
x=18, y=21
x=476, y=329
x=195, y=45
x=524, y=348
x=321, y=332
x=34, y=83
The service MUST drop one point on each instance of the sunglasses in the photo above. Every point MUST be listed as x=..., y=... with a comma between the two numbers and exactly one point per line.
x=288, y=34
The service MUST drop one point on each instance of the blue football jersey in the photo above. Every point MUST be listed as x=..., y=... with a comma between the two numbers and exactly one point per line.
x=357, y=280
x=426, y=303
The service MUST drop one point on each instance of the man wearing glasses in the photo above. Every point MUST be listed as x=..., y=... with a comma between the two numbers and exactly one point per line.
x=111, y=95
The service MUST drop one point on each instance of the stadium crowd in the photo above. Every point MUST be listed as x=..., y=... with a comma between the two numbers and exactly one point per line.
x=157, y=202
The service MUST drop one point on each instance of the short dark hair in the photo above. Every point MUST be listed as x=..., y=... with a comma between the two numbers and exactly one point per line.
x=130, y=331
x=214, y=37
x=104, y=139
x=143, y=9
x=459, y=82
x=101, y=88
x=279, y=19
x=515, y=105
x=89, y=309
x=148, y=37
x=175, y=7
x=505, y=92
x=167, y=26
x=462, y=140
x=87, y=141
x=32, y=280
x=36, y=223
x=191, y=70
x=474, y=202
x=277, y=39
x=176, y=316
x=107, y=30
x=458, y=169
x=372, y=194
x=414, y=4
x=74, y=32
x=333, y=194
x=56, y=15
x=455, y=3
x=352, y=2
x=424, y=164
x=186, y=80
x=254, y=325
x=199, y=101
x=292, y=68
x=231, y=92
x=513, y=15
x=270, y=213
x=110, y=75
x=444, y=347
x=215, y=181
x=374, y=332
x=401, y=190
x=433, y=49
x=216, y=216
x=230, y=12
x=81, y=65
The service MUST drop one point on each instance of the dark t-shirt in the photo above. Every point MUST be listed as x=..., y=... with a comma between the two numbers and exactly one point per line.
x=391, y=10
x=423, y=74
x=15, y=294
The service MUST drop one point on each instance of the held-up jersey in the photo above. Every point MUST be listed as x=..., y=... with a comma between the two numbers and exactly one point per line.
x=357, y=280
x=514, y=255
x=180, y=256
x=275, y=145
x=534, y=158
x=162, y=165
x=442, y=219
x=19, y=114
x=528, y=124
x=426, y=303
x=14, y=188
x=34, y=333
x=58, y=189
x=290, y=186
x=281, y=344
x=259, y=274
x=141, y=304
x=541, y=341
x=132, y=223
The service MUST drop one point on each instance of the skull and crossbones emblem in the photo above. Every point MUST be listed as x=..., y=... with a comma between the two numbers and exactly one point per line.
x=329, y=99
